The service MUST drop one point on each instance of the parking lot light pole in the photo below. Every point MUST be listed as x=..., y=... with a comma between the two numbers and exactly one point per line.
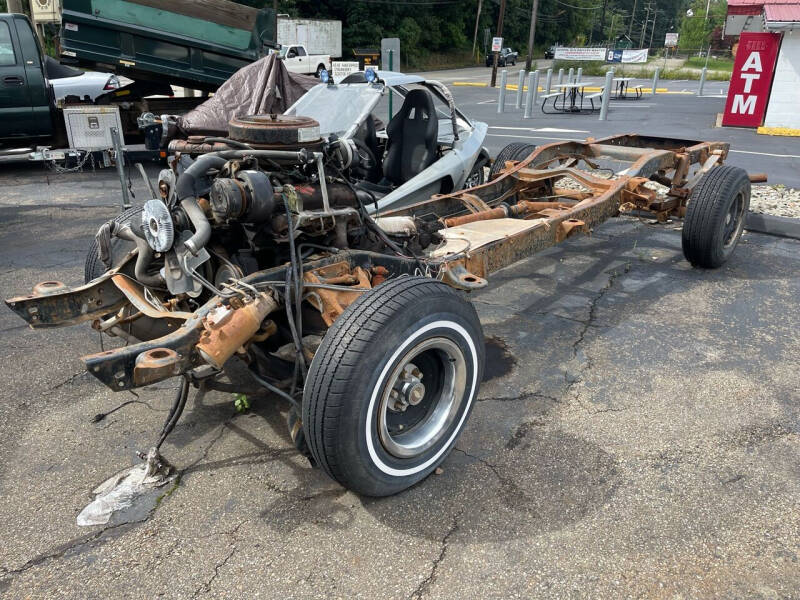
x=533, y=91
x=520, y=87
x=606, y=96
x=501, y=94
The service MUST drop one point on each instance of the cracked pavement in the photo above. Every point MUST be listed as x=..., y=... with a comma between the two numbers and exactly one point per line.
x=638, y=435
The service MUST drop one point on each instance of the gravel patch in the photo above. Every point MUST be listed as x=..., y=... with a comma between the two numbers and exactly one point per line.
x=775, y=200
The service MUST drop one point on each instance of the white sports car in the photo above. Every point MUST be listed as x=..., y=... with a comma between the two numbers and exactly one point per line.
x=69, y=81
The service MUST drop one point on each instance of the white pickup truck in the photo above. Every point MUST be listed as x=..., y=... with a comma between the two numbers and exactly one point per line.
x=297, y=60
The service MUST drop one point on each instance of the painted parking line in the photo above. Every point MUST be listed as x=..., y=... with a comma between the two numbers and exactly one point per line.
x=541, y=129
x=764, y=154
x=533, y=137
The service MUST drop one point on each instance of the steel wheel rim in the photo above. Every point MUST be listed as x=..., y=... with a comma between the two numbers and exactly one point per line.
x=473, y=179
x=440, y=405
x=734, y=220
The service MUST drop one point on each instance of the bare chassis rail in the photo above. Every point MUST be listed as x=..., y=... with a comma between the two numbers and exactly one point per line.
x=664, y=160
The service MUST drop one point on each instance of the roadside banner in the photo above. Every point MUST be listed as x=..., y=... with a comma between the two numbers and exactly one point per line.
x=626, y=56
x=748, y=92
x=342, y=69
x=634, y=56
x=562, y=53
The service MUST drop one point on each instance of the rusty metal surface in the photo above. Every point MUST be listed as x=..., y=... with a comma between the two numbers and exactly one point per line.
x=69, y=306
x=331, y=303
x=134, y=293
x=155, y=365
x=227, y=328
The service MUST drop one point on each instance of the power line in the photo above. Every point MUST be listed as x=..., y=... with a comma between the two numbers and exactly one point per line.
x=598, y=7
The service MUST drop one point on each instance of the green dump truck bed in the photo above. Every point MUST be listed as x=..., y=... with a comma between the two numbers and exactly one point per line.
x=192, y=43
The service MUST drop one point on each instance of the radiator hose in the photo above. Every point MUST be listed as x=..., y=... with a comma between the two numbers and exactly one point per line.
x=186, y=189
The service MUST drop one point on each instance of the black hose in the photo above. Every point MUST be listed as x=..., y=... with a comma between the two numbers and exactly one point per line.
x=275, y=390
x=373, y=225
x=293, y=280
x=186, y=189
x=202, y=228
x=143, y=260
x=175, y=412
x=290, y=317
x=186, y=185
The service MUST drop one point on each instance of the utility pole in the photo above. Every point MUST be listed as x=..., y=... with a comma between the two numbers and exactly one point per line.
x=653, y=30
x=499, y=34
x=644, y=26
x=15, y=6
x=603, y=20
x=477, y=20
x=531, y=35
x=633, y=14
x=611, y=29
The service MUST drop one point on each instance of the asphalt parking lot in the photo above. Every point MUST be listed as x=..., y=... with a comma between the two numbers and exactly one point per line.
x=637, y=434
x=676, y=114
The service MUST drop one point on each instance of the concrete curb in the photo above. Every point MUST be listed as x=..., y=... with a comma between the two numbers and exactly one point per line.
x=787, y=131
x=772, y=225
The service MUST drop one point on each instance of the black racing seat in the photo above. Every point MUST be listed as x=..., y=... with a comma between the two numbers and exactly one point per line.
x=412, y=134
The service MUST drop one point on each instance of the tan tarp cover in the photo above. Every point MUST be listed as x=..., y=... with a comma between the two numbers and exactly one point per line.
x=265, y=86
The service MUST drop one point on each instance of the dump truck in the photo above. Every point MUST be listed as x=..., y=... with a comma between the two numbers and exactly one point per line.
x=195, y=44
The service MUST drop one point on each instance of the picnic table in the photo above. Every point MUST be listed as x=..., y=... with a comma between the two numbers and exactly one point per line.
x=569, y=94
x=621, y=86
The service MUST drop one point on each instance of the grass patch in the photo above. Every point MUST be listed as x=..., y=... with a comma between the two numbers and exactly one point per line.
x=434, y=61
x=714, y=64
x=639, y=71
x=692, y=74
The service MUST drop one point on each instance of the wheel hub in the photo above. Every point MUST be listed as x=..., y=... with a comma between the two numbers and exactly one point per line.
x=415, y=414
x=408, y=389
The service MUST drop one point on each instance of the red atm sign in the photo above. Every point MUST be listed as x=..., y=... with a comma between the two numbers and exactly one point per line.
x=748, y=92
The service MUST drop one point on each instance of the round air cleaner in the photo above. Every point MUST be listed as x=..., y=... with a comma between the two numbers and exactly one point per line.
x=276, y=132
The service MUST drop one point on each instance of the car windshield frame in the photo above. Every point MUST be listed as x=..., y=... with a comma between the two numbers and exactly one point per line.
x=339, y=109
